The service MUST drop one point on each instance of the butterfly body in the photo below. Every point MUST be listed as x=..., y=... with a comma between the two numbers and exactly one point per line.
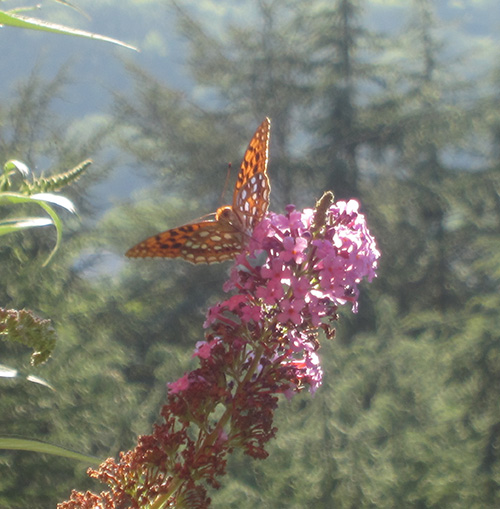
x=222, y=238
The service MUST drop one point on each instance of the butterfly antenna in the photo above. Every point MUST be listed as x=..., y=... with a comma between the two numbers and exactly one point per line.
x=204, y=217
x=226, y=182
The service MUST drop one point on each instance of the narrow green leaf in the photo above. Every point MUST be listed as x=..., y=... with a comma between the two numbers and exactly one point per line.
x=38, y=199
x=40, y=381
x=19, y=21
x=6, y=372
x=14, y=225
x=21, y=444
x=57, y=224
x=14, y=164
x=41, y=200
x=55, y=198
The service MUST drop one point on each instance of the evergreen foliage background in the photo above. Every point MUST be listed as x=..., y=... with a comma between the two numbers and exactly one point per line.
x=408, y=415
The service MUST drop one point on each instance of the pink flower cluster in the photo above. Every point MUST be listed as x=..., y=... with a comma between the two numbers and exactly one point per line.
x=261, y=342
x=296, y=270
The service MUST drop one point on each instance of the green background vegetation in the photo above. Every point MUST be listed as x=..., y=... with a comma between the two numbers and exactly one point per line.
x=403, y=115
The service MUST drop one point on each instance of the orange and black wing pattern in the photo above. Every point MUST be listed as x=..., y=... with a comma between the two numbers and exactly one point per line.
x=220, y=239
x=252, y=190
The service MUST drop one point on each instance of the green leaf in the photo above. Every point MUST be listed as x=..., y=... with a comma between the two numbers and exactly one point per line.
x=14, y=164
x=40, y=381
x=14, y=225
x=55, y=198
x=22, y=444
x=7, y=372
x=58, y=225
x=19, y=21
x=41, y=200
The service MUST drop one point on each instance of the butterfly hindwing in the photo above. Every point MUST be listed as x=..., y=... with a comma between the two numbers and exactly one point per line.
x=202, y=242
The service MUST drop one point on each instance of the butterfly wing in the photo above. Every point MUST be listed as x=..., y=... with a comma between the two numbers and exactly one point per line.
x=251, y=194
x=202, y=242
x=221, y=239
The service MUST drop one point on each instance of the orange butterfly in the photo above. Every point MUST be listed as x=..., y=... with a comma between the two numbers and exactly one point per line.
x=221, y=238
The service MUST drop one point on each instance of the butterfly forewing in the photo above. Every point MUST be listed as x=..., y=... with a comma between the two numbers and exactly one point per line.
x=222, y=238
x=251, y=194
